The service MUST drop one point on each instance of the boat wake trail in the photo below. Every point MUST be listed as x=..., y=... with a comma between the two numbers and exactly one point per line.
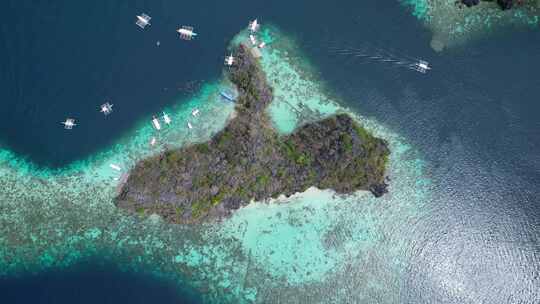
x=369, y=54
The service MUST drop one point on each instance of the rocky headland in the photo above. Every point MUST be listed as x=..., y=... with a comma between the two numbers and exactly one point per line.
x=248, y=160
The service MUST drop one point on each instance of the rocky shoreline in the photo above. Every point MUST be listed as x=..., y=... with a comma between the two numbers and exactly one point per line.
x=248, y=160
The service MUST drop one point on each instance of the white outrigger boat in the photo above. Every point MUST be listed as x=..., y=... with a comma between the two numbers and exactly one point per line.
x=254, y=25
x=189, y=125
x=115, y=167
x=69, y=123
x=143, y=20
x=195, y=112
x=106, y=108
x=166, y=118
x=421, y=66
x=155, y=123
x=229, y=60
x=252, y=39
x=186, y=32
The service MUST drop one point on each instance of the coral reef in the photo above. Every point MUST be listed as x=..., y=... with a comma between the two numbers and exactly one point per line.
x=454, y=22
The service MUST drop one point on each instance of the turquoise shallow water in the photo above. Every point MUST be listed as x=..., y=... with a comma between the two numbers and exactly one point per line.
x=295, y=249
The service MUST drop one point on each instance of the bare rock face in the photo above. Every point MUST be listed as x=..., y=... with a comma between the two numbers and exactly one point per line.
x=248, y=160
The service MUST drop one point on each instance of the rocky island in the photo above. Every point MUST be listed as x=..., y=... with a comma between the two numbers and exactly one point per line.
x=248, y=160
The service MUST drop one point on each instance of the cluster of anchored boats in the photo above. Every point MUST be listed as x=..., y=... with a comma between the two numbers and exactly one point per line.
x=186, y=33
x=167, y=120
x=105, y=108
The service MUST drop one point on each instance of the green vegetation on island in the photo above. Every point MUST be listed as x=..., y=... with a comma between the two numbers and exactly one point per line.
x=248, y=160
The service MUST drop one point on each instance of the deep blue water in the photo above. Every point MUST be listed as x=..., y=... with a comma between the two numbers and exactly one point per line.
x=66, y=59
x=474, y=117
x=93, y=282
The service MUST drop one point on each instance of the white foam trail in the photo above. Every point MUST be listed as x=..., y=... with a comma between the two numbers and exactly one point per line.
x=375, y=55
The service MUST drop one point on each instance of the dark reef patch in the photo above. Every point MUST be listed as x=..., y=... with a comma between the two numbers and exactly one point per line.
x=248, y=160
